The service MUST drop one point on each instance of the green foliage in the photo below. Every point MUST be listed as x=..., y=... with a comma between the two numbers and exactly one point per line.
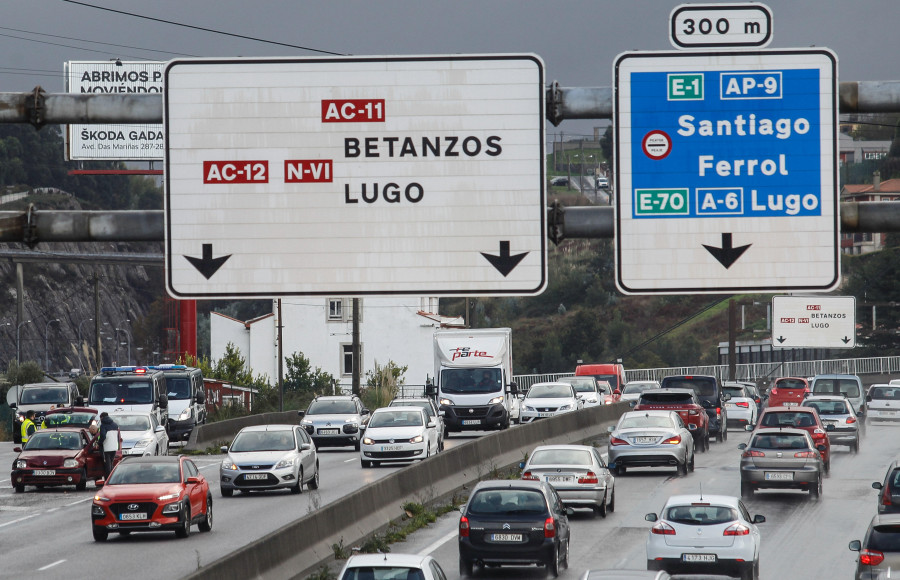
x=341, y=552
x=382, y=384
x=323, y=573
x=24, y=373
x=301, y=378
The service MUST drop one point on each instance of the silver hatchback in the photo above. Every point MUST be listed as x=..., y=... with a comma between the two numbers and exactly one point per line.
x=839, y=413
x=265, y=457
x=577, y=473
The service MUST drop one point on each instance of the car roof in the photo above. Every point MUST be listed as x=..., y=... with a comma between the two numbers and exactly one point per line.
x=688, y=499
x=573, y=447
x=825, y=398
x=511, y=484
x=70, y=410
x=785, y=430
x=678, y=390
x=273, y=427
x=335, y=397
x=649, y=412
x=155, y=459
x=400, y=400
x=792, y=409
x=392, y=558
x=396, y=408
x=836, y=376
x=551, y=383
x=886, y=520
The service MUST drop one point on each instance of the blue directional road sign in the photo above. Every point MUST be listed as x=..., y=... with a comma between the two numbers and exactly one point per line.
x=727, y=172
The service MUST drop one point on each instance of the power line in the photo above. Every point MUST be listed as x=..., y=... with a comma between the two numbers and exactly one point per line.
x=91, y=41
x=134, y=15
x=106, y=52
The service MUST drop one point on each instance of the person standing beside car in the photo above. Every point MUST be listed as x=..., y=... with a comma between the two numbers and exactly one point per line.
x=109, y=440
x=28, y=426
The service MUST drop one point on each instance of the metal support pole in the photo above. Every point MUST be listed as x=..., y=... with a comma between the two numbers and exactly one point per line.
x=356, y=362
x=46, y=350
x=18, y=343
x=280, y=360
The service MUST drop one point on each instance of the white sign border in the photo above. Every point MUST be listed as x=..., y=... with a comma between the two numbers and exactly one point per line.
x=790, y=308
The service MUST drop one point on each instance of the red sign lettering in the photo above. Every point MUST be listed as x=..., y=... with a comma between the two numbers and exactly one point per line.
x=235, y=172
x=803, y=320
x=307, y=171
x=353, y=110
x=814, y=307
x=787, y=320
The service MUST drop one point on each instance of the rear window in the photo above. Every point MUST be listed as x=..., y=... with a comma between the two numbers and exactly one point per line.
x=561, y=457
x=847, y=387
x=735, y=391
x=383, y=573
x=779, y=441
x=790, y=384
x=884, y=539
x=828, y=407
x=695, y=515
x=885, y=392
x=788, y=419
x=704, y=387
x=638, y=421
x=506, y=502
x=665, y=399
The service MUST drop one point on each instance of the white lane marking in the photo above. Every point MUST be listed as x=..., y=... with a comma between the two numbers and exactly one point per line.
x=14, y=508
x=435, y=545
x=48, y=566
x=3, y=480
x=205, y=466
x=18, y=520
x=349, y=460
x=79, y=501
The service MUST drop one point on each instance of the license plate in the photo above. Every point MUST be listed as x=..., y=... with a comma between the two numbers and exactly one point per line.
x=136, y=516
x=545, y=414
x=790, y=403
x=328, y=431
x=506, y=537
x=45, y=472
x=645, y=439
x=256, y=476
x=887, y=413
x=391, y=447
x=560, y=479
x=779, y=476
x=471, y=421
x=698, y=557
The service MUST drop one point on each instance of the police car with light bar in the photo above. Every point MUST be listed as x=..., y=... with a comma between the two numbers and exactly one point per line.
x=131, y=388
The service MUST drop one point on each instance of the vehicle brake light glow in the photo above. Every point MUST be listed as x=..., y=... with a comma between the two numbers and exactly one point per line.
x=673, y=440
x=718, y=412
x=743, y=404
x=589, y=477
x=774, y=391
x=662, y=529
x=753, y=453
x=886, y=496
x=529, y=476
x=871, y=557
x=736, y=530
x=617, y=441
x=805, y=454
x=549, y=528
x=851, y=420
x=463, y=527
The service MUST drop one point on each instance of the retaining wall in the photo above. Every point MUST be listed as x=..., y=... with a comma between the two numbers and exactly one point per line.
x=299, y=548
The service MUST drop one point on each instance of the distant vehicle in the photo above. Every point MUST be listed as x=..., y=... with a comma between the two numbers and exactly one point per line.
x=684, y=402
x=849, y=386
x=788, y=391
x=152, y=494
x=633, y=389
x=837, y=414
x=514, y=523
x=586, y=388
x=602, y=183
x=131, y=388
x=40, y=398
x=335, y=420
x=613, y=373
x=879, y=552
x=141, y=433
x=391, y=565
x=883, y=402
x=783, y=459
x=741, y=405
x=711, y=396
x=889, y=498
x=805, y=418
x=548, y=400
x=704, y=534
x=266, y=457
x=398, y=434
x=577, y=473
x=559, y=180
x=430, y=409
x=187, y=399
x=651, y=439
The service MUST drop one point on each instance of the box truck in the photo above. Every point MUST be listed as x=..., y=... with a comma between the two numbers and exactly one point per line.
x=473, y=379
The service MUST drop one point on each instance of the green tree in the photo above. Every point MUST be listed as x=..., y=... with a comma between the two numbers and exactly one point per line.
x=382, y=384
x=301, y=378
x=24, y=373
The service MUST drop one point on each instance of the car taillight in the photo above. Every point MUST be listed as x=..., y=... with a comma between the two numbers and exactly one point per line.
x=529, y=476
x=743, y=404
x=752, y=453
x=851, y=420
x=617, y=441
x=663, y=529
x=589, y=477
x=805, y=454
x=718, y=412
x=871, y=557
x=549, y=528
x=693, y=412
x=673, y=440
x=886, y=496
x=818, y=433
x=774, y=391
x=464, y=527
x=736, y=530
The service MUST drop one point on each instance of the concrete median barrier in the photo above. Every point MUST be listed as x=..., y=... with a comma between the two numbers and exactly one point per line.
x=299, y=548
x=209, y=434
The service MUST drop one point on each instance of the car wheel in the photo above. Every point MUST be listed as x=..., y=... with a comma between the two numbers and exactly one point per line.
x=185, y=529
x=854, y=448
x=314, y=482
x=681, y=468
x=691, y=462
x=621, y=469
x=298, y=487
x=441, y=445
x=565, y=561
x=446, y=433
x=746, y=490
x=20, y=488
x=365, y=464
x=612, y=502
x=706, y=441
x=724, y=430
x=553, y=564
x=720, y=436
x=206, y=524
x=815, y=491
x=750, y=571
x=652, y=565
x=356, y=446
x=100, y=533
x=226, y=492
x=82, y=483
x=828, y=465
x=465, y=568
x=602, y=508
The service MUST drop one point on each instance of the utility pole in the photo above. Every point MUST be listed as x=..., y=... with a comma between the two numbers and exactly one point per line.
x=356, y=361
x=280, y=360
x=732, y=332
x=99, y=353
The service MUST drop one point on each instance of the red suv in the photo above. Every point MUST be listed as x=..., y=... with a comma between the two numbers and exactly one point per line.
x=798, y=418
x=684, y=402
x=788, y=392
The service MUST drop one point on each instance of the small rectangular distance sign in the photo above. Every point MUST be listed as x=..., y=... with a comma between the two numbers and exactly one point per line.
x=355, y=176
x=814, y=321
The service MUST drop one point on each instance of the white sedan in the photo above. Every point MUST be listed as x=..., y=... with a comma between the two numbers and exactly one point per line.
x=704, y=534
x=141, y=433
x=393, y=565
x=398, y=434
x=547, y=400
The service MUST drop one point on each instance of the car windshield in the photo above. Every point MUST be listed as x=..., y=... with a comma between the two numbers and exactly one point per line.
x=53, y=440
x=885, y=392
x=179, y=388
x=130, y=472
x=847, y=387
x=281, y=440
x=632, y=388
x=383, y=573
x=789, y=419
x=700, y=515
x=396, y=419
x=132, y=422
x=421, y=404
x=828, y=407
x=332, y=408
x=114, y=390
x=506, y=502
x=779, y=441
x=70, y=419
x=561, y=457
x=580, y=384
x=884, y=538
x=44, y=395
x=790, y=384
x=703, y=386
x=465, y=381
x=637, y=421
x=550, y=391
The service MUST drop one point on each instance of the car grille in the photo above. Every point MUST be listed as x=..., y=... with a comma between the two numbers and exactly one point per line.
x=393, y=454
x=122, y=508
x=388, y=441
x=243, y=482
x=546, y=409
x=255, y=467
x=472, y=411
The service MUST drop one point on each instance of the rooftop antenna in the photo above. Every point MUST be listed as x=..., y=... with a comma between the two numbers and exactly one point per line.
x=701, y=491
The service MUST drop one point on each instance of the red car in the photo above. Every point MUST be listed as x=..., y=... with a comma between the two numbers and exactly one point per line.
x=788, y=392
x=798, y=418
x=57, y=456
x=684, y=402
x=152, y=494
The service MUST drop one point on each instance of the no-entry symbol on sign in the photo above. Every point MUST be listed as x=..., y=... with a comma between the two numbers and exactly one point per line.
x=656, y=144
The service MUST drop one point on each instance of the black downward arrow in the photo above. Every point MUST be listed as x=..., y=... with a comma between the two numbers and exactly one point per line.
x=207, y=265
x=726, y=255
x=780, y=339
x=504, y=262
x=846, y=340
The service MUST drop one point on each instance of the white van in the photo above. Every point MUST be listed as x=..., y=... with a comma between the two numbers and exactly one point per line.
x=130, y=389
x=187, y=399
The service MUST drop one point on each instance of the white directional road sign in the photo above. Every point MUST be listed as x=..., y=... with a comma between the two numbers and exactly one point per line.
x=727, y=172
x=814, y=321
x=355, y=176
x=712, y=25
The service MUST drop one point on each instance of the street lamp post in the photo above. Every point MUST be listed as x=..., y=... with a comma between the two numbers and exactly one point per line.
x=46, y=350
x=128, y=338
x=18, y=349
x=79, y=341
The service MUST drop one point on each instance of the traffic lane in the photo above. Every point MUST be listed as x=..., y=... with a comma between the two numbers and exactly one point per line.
x=63, y=525
x=801, y=538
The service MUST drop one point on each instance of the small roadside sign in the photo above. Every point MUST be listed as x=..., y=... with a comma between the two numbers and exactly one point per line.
x=814, y=321
x=720, y=25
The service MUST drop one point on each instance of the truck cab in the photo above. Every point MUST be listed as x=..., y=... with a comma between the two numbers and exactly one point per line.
x=132, y=388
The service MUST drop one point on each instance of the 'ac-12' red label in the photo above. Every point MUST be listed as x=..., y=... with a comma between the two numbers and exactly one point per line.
x=235, y=172
x=353, y=111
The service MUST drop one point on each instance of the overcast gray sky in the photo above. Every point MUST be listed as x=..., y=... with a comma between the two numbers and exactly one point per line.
x=578, y=40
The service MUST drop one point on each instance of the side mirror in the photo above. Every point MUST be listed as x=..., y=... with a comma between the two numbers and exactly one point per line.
x=650, y=517
x=159, y=428
x=79, y=401
x=617, y=393
x=829, y=427
x=363, y=427
x=430, y=390
x=726, y=396
x=431, y=424
x=570, y=511
x=99, y=482
x=442, y=413
x=742, y=446
x=301, y=413
x=868, y=399
x=193, y=479
x=706, y=404
x=163, y=401
x=632, y=403
x=855, y=545
x=513, y=388
x=19, y=450
x=875, y=484
x=462, y=509
x=13, y=406
x=365, y=411
x=821, y=447
x=201, y=397
x=749, y=427
x=305, y=446
x=758, y=519
x=611, y=428
x=223, y=449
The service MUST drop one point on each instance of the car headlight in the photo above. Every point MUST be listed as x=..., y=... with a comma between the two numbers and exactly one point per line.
x=446, y=402
x=172, y=508
x=306, y=422
x=417, y=439
x=590, y=400
x=528, y=408
x=286, y=462
x=185, y=415
x=229, y=464
x=70, y=463
x=495, y=401
x=608, y=402
x=100, y=498
x=367, y=441
x=144, y=442
x=565, y=408
x=21, y=464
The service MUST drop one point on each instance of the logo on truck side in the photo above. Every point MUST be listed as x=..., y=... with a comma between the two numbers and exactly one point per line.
x=465, y=351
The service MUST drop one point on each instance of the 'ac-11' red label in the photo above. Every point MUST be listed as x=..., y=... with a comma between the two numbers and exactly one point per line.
x=353, y=110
